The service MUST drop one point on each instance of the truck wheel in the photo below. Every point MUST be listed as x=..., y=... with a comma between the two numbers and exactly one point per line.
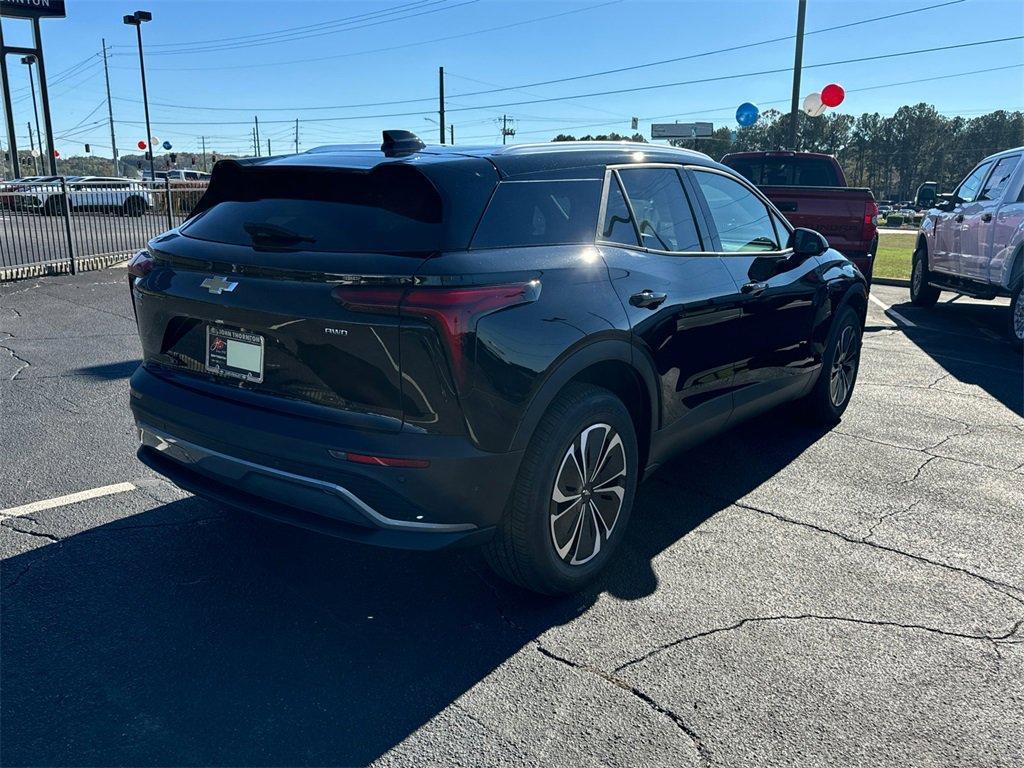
x=571, y=503
x=921, y=294
x=1016, y=324
x=840, y=362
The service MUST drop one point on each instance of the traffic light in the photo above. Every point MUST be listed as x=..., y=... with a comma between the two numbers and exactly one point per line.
x=174, y=157
x=87, y=149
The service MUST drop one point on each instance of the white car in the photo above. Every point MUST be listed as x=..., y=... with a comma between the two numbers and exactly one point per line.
x=86, y=193
x=972, y=242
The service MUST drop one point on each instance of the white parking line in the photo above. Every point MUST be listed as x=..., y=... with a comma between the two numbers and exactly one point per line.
x=892, y=312
x=71, y=498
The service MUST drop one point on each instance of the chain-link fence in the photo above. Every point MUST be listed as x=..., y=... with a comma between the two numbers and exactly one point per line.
x=66, y=224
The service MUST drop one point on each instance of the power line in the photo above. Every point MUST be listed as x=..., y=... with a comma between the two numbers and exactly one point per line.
x=522, y=87
x=296, y=38
x=446, y=38
x=630, y=90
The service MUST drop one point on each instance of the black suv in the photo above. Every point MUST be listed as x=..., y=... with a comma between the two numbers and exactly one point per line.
x=418, y=347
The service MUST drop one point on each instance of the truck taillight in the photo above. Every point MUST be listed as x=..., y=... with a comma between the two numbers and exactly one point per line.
x=870, y=220
x=453, y=310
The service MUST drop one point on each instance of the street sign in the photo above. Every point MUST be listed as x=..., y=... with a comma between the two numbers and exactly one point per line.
x=681, y=130
x=33, y=9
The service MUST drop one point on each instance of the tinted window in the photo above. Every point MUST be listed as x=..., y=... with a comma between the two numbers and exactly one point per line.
x=618, y=223
x=540, y=213
x=969, y=187
x=741, y=219
x=787, y=171
x=392, y=209
x=659, y=203
x=1000, y=177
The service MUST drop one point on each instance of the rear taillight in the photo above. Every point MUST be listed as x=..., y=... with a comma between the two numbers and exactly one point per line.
x=453, y=310
x=870, y=220
x=141, y=264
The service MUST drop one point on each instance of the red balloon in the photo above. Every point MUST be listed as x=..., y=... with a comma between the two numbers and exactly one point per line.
x=56, y=153
x=142, y=145
x=832, y=95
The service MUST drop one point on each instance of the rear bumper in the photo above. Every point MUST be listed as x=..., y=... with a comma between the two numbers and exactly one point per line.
x=293, y=470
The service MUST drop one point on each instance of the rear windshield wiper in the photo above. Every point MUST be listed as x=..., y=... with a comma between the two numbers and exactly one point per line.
x=271, y=233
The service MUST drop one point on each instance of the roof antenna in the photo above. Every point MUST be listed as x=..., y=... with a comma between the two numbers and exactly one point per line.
x=398, y=143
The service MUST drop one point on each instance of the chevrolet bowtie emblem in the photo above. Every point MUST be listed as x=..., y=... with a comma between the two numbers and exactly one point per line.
x=218, y=285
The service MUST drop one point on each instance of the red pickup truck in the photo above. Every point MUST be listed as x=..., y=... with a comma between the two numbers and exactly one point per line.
x=810, y=190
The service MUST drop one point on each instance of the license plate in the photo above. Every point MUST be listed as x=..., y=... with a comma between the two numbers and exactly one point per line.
x=236, y=354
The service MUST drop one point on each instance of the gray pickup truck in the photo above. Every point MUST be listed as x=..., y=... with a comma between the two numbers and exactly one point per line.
x=972, y=241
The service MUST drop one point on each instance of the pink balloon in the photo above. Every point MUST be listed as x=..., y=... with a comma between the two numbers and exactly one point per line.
x=832, y=95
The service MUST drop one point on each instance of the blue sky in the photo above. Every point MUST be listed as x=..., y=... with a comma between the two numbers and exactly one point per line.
x=336, y=61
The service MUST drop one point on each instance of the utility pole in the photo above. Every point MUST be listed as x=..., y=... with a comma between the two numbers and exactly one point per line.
x=451, y=133
x=794, y=110
x=32, y=147
x=257, y=133
x=296, y=135
x=440, y=100
x=204, y=154
x=110, y=107
x=255, y=147
x=269, y=153
x=505, y=130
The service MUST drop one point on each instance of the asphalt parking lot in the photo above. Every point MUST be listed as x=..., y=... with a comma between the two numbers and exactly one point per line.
x=785, y=596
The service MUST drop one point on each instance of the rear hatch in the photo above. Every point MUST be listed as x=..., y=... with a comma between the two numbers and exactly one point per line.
x=244, y=301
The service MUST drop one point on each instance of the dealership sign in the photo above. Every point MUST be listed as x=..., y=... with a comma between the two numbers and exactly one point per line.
x=681, y=130
x=32, y=9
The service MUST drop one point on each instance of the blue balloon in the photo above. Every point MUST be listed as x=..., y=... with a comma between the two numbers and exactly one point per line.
x=167, y=145
x=747, y=114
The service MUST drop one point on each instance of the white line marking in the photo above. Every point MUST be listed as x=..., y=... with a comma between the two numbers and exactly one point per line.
x=891, y=312
x=71, y=498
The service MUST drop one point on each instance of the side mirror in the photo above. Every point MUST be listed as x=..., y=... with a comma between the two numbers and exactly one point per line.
x=807, y=242
x=947, y=201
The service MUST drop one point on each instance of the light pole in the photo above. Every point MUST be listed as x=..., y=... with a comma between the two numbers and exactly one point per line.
x=135, y=20
x=29, y=61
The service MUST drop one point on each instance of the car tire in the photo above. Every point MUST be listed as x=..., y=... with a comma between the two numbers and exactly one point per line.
x=921, y=293
x=54, y=206
x=840, y=363
x=1015, y=327
x=551, y=539
x=134, y=206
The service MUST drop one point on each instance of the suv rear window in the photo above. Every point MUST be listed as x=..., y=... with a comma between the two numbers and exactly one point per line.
x=523, y=213
x=787, y=171
x=392, y=209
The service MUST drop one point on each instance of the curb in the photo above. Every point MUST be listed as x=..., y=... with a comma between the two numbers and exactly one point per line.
x=897, y=281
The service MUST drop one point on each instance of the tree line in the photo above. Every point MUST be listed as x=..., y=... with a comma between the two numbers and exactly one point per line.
x=890, y=155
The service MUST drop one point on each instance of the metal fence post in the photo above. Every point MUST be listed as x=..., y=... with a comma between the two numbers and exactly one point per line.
x=170, y=203
x=66, y=210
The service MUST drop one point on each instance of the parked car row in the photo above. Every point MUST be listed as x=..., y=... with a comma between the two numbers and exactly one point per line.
x=130, y=197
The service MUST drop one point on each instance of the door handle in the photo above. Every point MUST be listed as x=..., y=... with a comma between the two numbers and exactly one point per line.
x=959, y=218
x=647, y=299
x=986, y=217
x=753, y=289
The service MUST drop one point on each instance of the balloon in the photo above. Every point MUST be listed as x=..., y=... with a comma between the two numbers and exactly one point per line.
x=747, y=114
x=35, y=153
x=153, y=141
x=832, y=95
x=56, y=153
x=166, y=145
x=813, y=105
x=142, y=145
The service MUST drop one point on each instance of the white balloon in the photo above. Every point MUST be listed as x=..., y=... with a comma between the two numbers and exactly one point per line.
x=35, y=153
x=813, y=105
x=154, y=141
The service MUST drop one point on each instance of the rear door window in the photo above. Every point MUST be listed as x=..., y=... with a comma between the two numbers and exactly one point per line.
x=662, y=212
x=741, y=219
x=526, y=213
x=1000, y=177
x=617, y=222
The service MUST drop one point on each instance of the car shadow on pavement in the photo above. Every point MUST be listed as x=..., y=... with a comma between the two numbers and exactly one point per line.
x=968, y=340
x=188, y=635
x=110, y=371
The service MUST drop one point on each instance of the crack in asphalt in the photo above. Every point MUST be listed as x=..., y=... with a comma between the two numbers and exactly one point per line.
x=987, y=637
x=703, y=753
x=8, y=523
x=19, y=358
x=886, y=516
x=927, y=449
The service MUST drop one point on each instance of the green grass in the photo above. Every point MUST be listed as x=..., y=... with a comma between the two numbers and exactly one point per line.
x=894, y=252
